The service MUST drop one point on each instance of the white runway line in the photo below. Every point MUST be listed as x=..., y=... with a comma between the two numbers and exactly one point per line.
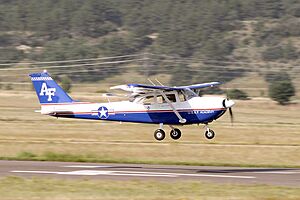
x=94, y=173
x=133, y=173
x=276, y=172
x=87, y=166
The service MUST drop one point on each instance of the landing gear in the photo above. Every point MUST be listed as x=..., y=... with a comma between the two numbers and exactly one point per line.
x=175, y=133
x=209, y=134
x=159, y=134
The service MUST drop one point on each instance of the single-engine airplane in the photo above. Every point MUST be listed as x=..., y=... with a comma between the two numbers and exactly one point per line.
x=156, y=104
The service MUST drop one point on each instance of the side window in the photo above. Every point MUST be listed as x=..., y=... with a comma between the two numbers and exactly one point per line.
x=171, y=97
x=148, y=100
x=181, y=97
x=160, y=99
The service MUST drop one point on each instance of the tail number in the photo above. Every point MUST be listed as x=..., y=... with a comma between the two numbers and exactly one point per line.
x=47, y=91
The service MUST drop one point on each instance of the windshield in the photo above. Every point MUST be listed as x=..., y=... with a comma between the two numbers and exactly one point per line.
x=188, y=93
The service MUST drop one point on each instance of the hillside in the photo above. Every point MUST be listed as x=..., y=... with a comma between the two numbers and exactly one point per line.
x=191, y=40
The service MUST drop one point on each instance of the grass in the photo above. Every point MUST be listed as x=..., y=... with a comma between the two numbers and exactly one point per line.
x=264, y=134
x=50, y=188
x=66, y=157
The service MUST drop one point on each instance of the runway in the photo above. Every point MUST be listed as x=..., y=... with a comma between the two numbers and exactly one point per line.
x=71, y=170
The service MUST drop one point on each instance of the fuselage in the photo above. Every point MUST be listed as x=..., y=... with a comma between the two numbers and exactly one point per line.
x=195, y=110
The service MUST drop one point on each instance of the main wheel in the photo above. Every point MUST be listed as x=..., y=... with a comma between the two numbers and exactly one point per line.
x=209, y=134
x=175, y=134
x=159, y=134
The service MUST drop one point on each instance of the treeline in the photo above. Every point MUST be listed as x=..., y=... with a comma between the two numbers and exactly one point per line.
x=75, y=29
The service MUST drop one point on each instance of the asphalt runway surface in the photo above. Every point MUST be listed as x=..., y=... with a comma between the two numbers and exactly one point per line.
x=71, y=170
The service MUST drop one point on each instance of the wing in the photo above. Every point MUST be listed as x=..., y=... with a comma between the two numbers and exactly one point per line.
x=197, y=86
x=138, y=88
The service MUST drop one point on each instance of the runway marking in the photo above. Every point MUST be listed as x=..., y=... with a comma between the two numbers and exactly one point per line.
x=132, y=173
x=96, y=172
x=277, y=172
x=195, y=175
x=87, y=166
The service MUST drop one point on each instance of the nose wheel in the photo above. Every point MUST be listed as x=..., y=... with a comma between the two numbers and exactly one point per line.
x=209, y=134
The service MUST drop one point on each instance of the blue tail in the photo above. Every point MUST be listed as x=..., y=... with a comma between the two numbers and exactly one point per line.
x=48, y=90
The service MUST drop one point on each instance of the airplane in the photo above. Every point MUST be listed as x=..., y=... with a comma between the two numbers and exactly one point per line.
x=154, y=104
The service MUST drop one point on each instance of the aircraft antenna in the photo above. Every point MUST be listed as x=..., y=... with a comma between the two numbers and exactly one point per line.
x=151, y=81
x=159, y=82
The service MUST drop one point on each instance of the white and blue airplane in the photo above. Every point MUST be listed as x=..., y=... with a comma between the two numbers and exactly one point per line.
x=155, y=104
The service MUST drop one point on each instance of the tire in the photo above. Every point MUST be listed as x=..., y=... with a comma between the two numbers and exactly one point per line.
x=209, y=134
x=159, y=134
x=175, y=134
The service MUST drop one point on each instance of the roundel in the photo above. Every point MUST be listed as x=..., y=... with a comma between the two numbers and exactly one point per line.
x=103, y=112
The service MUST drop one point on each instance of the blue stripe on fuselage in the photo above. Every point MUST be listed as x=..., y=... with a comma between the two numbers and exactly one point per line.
x=192, y=117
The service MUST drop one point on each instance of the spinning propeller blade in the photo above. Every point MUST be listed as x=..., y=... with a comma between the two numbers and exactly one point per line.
x=228, y=104
x=231, y=116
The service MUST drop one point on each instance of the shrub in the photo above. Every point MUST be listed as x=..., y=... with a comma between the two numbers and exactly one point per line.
x=8, y=87
x=237, y=94
x=66, y=83
x=281, y=91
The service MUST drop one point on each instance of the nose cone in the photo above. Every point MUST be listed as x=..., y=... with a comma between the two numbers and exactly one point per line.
x=228, y=103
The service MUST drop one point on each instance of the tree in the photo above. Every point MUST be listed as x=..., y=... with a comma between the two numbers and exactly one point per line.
x=11, y=54
x=279, y=76
x=290, y=52
x=217, y=47
x=65, y=48
x=281, y=91
x=272, y=53
x=181, y=75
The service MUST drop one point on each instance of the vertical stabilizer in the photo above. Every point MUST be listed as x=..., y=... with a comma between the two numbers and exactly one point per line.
x=47, y=90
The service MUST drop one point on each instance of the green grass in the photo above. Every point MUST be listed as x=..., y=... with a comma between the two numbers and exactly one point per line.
x=50, y=188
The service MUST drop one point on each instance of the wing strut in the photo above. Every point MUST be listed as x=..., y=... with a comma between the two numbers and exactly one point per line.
x=181, y=120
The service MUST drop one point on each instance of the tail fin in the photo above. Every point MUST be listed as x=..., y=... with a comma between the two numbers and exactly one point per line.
x=48, y=90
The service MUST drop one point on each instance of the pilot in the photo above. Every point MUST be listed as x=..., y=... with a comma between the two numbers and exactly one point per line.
x=171, y=97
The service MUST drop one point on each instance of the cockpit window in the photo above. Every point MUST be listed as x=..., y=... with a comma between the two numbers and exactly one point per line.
x=160, y=99
x=181, y=97
x=189, y=94
x=148, y=100
x=171, y=97
x=155, y=98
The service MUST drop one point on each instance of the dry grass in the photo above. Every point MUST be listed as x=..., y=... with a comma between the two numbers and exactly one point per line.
x=41, y=188
x=264, y=134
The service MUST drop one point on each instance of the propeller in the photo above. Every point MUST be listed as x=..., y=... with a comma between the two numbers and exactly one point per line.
x=231, y=115
x=228, y=104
